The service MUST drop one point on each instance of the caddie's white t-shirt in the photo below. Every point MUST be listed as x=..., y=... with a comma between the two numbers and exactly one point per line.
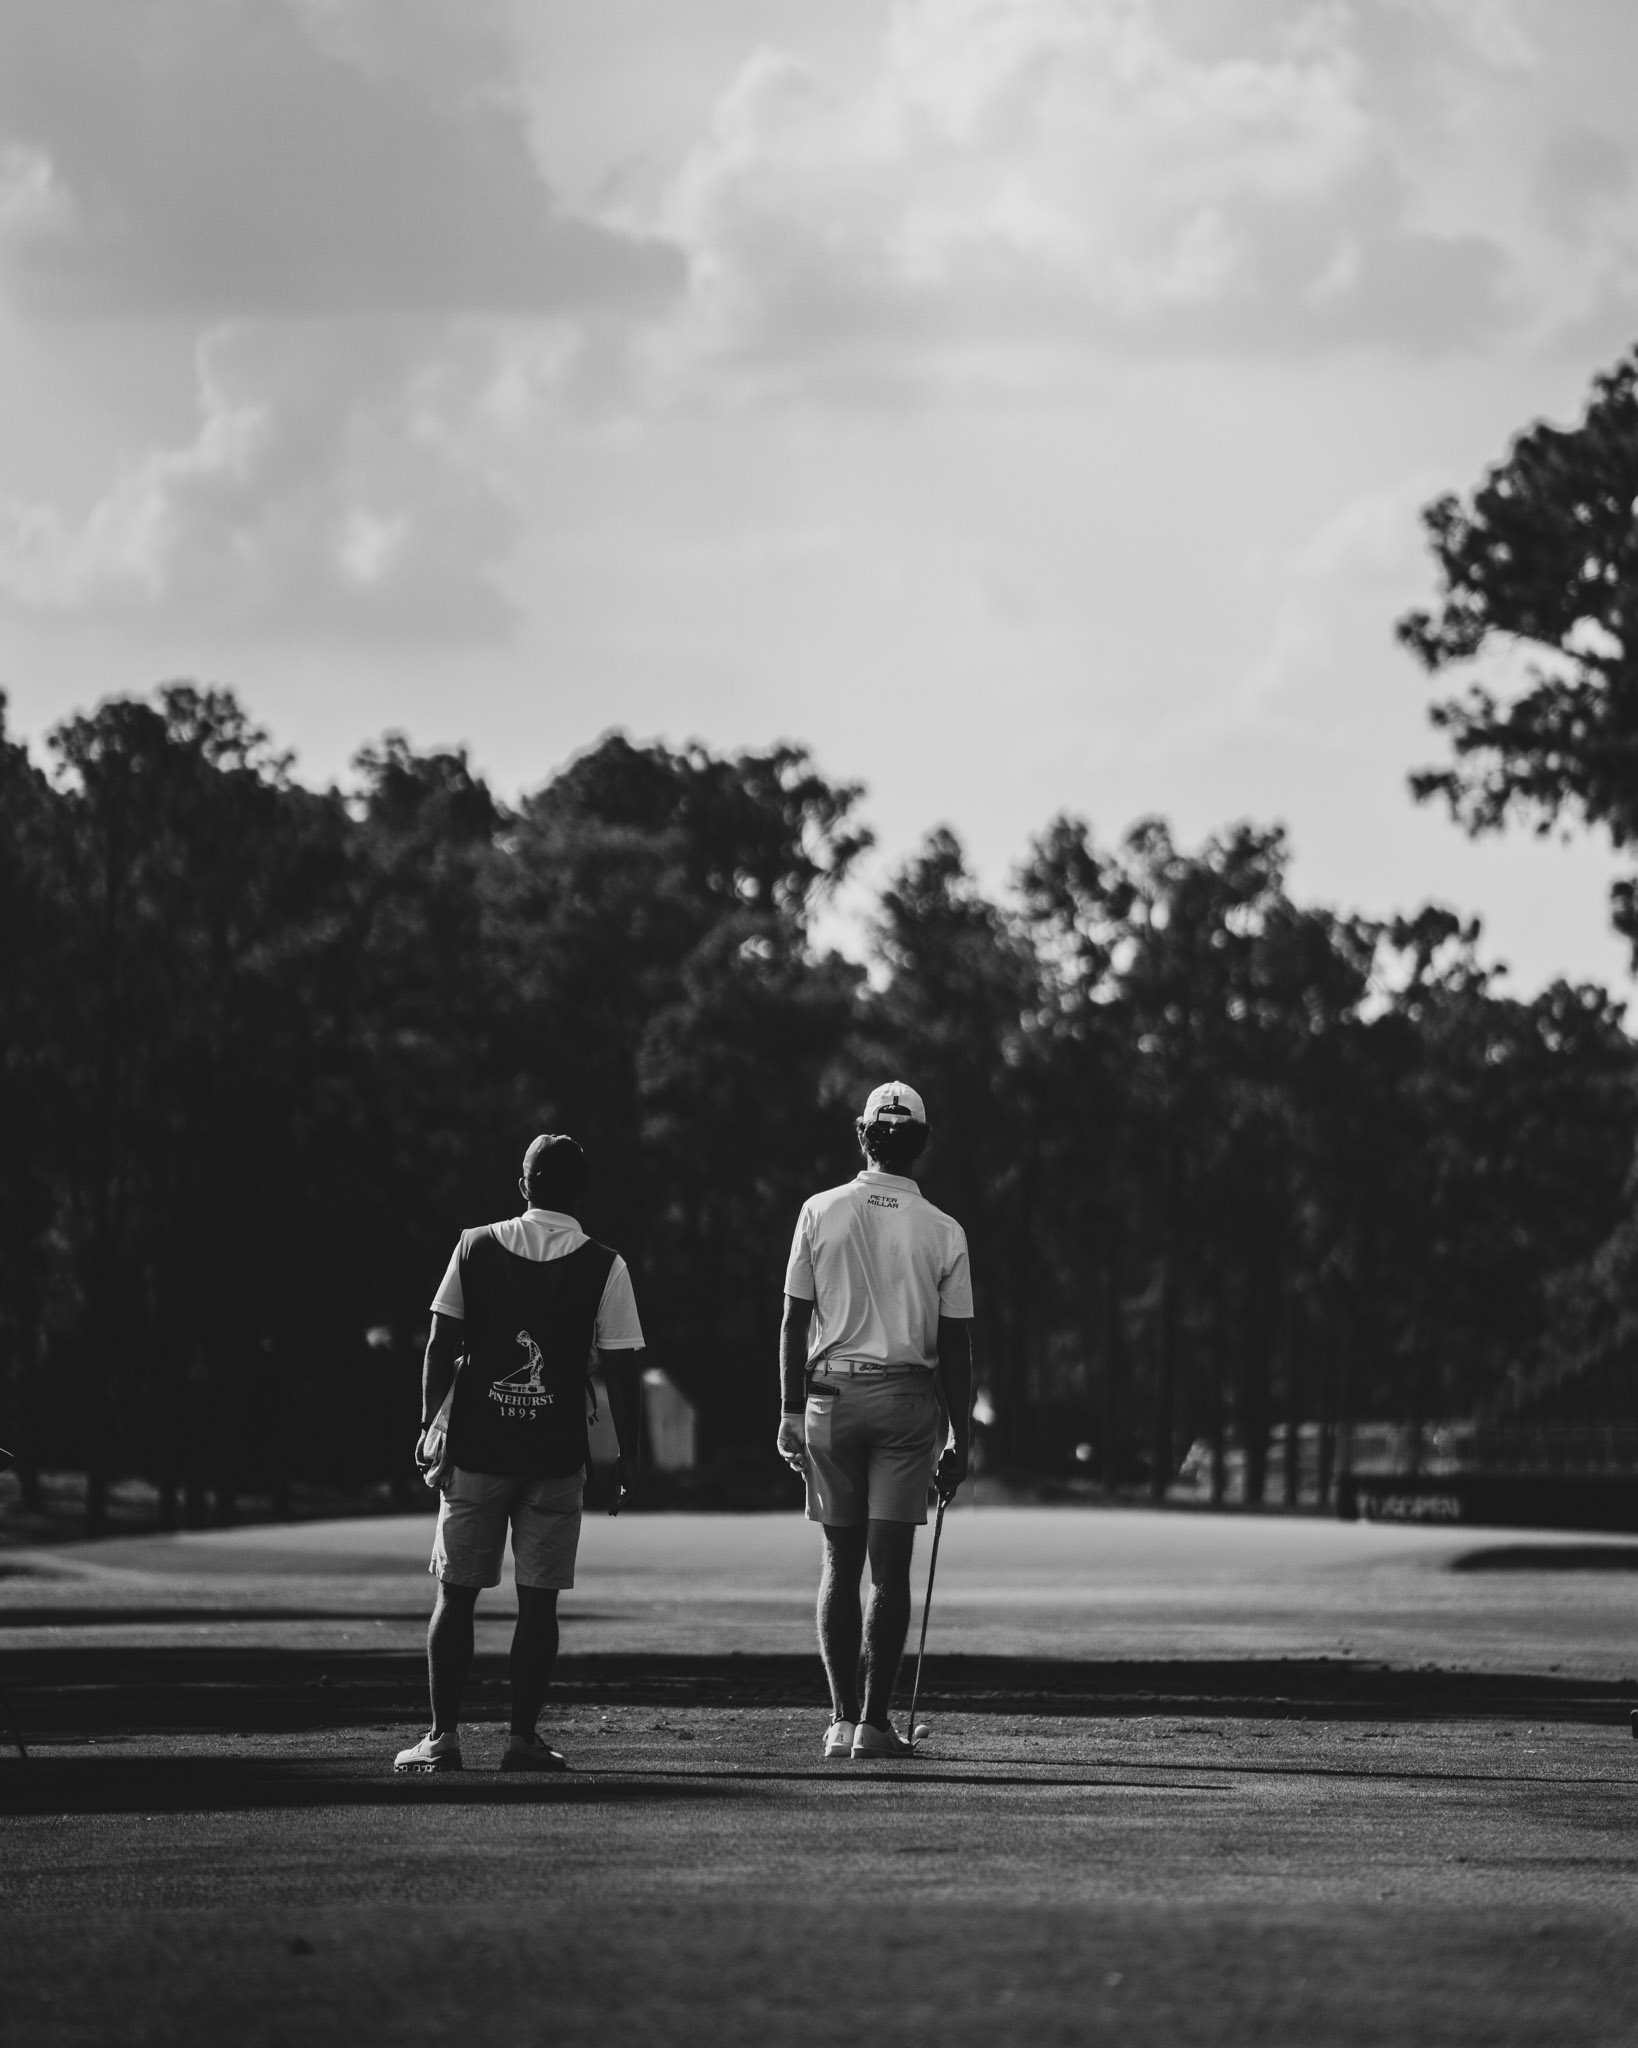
x=549, y=1234
x=880, y=1265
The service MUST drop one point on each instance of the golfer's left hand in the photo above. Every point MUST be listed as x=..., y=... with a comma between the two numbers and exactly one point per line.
x=952, y=1469
x=793, y=1445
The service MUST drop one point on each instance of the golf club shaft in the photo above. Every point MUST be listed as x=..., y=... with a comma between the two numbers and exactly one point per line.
x=926, y=1609
x=11, y=1723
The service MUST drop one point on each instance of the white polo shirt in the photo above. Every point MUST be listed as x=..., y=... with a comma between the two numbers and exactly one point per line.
x=880, y=1265
x=549, y=1234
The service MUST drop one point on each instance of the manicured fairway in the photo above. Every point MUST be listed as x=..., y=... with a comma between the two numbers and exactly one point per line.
x=1134, y=1824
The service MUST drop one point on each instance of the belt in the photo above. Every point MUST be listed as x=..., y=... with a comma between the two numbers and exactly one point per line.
x=866, y=1368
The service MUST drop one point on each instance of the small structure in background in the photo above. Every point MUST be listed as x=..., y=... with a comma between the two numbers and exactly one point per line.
x=668, y=1423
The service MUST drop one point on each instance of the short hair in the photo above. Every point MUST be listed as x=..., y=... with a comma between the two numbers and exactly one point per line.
x=893, y=1146
x=554, y=1171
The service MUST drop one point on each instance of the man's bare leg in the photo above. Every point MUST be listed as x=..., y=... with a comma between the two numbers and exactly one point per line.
x=840, y=1626
x=534, y=1652
x=887, y=1619
x=449, y=1653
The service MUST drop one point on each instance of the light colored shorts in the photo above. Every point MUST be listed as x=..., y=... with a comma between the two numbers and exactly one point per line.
x=473, y=1515
x=872, y=1447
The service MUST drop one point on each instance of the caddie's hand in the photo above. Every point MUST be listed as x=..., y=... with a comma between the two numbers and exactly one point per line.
x=622, y=1483
x=793, y=1442
x=952, y=1469
x=429, y=1452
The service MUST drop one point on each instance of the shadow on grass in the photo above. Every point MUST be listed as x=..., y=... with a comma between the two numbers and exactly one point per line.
x=1549, y=1557
x=218, y=1687
x=91, y=1784
x=177, y=1785
x=67, y=1616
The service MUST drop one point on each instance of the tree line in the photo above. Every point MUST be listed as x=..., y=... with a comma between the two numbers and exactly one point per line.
x=1226, y=1160
x=1236, y=1169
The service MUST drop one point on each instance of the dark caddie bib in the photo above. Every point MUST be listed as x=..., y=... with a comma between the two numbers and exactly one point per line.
x=520, y=1393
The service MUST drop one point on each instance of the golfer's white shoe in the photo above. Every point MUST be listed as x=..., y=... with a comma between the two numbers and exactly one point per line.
x=431, y=1753
x=531, y=1755
x=877, y=1742
x=839, y=1739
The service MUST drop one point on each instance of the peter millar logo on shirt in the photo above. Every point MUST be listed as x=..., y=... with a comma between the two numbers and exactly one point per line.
x=522, y=1393
x=883, y=1201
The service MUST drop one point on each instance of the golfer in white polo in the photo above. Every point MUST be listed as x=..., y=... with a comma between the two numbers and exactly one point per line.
x=875, y=1358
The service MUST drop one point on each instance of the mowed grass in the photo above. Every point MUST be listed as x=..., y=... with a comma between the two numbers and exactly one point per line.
x=703, y=1877
x=1193, y=1779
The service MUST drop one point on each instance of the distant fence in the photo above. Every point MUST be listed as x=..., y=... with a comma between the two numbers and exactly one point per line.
x=1511, y=1500
x=1515, y=1475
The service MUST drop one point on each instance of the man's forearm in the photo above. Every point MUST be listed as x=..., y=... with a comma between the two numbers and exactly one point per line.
x=955, y=1369
x=793, y=1356
x=438, y=1367
x=622, y=1376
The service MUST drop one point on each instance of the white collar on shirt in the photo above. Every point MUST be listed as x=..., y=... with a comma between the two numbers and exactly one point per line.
x=873, y=1176
x=554, y=1219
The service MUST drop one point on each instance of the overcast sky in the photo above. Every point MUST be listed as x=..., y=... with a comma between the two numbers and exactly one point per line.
x=1025, y=403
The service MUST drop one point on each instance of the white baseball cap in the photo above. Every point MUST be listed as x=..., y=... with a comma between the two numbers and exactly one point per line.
x=894, y=1103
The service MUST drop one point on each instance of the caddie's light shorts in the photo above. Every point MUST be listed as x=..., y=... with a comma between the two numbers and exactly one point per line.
x=473, y=1515
x=872, y=1445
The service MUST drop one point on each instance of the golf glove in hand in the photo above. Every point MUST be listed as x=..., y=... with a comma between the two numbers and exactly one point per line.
x=792, y=1443
x=432, y=1455
x=952, y=1469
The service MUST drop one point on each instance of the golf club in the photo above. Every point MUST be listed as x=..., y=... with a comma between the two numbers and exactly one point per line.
x=926, y=1609
x=6, y=1461
x=11, y=1723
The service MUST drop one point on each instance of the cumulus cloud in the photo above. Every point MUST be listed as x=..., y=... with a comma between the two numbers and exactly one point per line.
x=34, y=208
x=1509, y=124
x=336, y=205
x=345, y=199
x=1338, y=592
x=1041, y=175
x=1056, y=168
x=270, y=157
x=340, y=479
x=1491, y=30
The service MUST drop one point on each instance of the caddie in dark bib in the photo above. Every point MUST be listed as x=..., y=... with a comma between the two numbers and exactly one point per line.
x=520, y=1394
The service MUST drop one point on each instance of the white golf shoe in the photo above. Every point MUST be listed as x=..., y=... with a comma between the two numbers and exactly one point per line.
x=533, y=1755
x=431, y=1753
x=839, y=1739
x=872, y=1742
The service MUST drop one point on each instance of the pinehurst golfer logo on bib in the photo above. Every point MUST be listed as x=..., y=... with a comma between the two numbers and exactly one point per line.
x=522, y=1392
